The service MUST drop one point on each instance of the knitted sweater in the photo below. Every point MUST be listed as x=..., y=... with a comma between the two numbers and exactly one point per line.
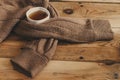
x=44, y=37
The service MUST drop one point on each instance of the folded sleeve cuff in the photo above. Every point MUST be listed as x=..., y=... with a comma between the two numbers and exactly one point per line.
x=102, y=29
x=29, y=63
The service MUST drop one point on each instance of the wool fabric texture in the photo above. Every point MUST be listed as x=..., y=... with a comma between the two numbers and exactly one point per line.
x=44, y=37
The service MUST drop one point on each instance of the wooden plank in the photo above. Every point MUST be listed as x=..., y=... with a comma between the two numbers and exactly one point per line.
x=89, y=10
x=100, y=1
x=75, y=53
x=64, y=70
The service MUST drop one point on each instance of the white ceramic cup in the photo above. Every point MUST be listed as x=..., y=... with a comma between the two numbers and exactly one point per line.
x=35, y=9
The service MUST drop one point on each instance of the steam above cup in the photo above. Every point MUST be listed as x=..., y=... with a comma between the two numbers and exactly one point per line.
x=37, y=15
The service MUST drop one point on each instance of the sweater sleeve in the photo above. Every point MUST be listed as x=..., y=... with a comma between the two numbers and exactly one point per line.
x=67, y=29
x=35, y=56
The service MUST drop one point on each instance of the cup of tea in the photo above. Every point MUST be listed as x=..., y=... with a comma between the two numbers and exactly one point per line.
x=37, y=15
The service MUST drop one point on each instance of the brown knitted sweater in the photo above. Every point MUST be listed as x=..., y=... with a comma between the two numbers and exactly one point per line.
x=36, y=53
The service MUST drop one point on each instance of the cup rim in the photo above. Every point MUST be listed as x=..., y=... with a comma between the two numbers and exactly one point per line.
x=34, y=9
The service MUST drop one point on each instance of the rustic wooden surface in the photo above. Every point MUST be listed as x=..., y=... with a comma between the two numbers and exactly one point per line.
x=73, y=61
x=100, y=1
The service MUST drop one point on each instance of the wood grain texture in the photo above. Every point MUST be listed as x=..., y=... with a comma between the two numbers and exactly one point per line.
x=89, y=10
x=100, y=1
x=63, y=70
x=69, y=62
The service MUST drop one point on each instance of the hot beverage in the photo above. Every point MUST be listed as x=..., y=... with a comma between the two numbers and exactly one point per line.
x=38, y=15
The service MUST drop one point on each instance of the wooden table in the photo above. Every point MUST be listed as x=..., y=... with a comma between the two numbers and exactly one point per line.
x=74, y=61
